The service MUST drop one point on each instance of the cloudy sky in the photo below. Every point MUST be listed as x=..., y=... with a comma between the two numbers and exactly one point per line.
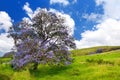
x=92, y=22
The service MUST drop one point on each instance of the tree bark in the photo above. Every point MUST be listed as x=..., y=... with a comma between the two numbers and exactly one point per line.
x=35, y=66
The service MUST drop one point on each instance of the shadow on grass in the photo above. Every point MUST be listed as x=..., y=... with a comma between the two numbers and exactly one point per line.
x=4, y=77
x=48, y=71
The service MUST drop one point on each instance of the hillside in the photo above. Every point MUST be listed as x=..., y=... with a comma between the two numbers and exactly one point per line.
x=93, y=50
x=104, y=66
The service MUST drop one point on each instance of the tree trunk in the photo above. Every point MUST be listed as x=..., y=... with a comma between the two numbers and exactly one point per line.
x=35, y=66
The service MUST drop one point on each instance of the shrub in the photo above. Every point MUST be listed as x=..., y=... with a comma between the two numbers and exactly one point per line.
x=4, y=77
x=100, y=50
x=99, y=61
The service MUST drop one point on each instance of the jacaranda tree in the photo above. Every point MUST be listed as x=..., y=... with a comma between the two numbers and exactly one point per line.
x=43, y=40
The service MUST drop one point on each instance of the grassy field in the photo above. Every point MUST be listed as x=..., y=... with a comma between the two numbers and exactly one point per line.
x=102, y=66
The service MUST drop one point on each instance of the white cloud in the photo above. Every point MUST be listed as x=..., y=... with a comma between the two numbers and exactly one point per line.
x=99, y=2
x=111, y=8
x=5, y=43
x=74, y=1
x=28, y=10
x=93, y=17
x=5, y=21
x=107, y=33
x=108, y=29
x=64, y=2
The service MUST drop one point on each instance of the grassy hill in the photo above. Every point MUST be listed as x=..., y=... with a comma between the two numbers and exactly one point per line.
x=88, y=51
x=103, y=66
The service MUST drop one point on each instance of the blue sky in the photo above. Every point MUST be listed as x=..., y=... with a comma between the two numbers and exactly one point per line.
x=75, y=9
x=90, y=20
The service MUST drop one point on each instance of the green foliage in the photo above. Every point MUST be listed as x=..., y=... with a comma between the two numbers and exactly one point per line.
x=4, y=60
x=99, y=61
x=4, y=77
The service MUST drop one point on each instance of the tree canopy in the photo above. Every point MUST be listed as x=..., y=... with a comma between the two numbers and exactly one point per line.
x=42, y=40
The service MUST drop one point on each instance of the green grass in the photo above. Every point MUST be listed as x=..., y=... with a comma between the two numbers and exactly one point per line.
x=105, y=66
x=87, y=51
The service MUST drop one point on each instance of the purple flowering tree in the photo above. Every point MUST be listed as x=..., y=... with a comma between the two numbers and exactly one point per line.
x=43, y=41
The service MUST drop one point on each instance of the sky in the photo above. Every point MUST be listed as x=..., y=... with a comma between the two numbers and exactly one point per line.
x=92, y=22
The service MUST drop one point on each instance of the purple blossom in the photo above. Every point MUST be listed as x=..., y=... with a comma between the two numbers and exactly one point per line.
x=40, y=42
x=67, y=63
x=44, y=47
x=27, y=57
x=50, y=54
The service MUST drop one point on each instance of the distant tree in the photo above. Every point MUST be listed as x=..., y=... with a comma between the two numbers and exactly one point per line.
x=44, y=40
x=100, y=50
